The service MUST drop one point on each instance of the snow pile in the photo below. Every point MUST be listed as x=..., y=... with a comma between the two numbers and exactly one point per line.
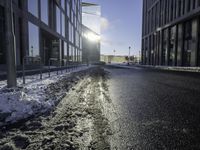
x=34, y=97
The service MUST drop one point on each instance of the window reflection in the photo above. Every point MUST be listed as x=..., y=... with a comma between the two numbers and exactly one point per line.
x=70, y=32
x=44, y=11
x=63, y=25
x=33, y=40
x=91, y=17
x=58, y=29
x=68, y=10
x=70, y=53
x=63, y=4
x=33, y=7
x=65, y=50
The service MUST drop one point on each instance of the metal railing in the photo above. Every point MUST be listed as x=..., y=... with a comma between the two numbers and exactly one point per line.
x=60, y=65
x=35, y=59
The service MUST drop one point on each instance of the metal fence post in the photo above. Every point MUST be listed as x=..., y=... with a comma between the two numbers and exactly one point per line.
x=61, y=66
x=40, y=61
x=49, y=68
x=57, y=67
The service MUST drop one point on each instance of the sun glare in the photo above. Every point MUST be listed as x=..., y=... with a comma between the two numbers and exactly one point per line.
x=92, y=37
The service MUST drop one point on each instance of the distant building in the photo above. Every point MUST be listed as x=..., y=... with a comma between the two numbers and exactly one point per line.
x=171, y=32
x=90, y=46
x=114, y=59
x=44, y=28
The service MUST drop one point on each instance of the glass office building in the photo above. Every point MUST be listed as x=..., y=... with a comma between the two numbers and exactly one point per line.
x=91, y=29
x=45, y=29
x=91, y=17
x=171, y=35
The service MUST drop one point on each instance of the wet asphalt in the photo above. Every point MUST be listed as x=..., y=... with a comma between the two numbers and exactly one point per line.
x=156, y=109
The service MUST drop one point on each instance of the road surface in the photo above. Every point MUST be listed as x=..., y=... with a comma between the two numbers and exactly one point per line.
x=156, y=109
x=117, y=109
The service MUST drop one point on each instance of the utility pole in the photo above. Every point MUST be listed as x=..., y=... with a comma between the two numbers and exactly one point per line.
x=11, y=63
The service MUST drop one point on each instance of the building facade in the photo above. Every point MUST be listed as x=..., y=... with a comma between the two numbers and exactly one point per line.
x=91, y=46
x=44, y=28
x=171, y=32
x=91, y=43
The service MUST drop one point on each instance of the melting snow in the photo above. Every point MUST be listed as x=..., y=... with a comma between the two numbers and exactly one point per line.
x=28, y=99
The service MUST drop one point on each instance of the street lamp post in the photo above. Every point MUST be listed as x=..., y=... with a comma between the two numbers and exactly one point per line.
x=114, y=54
x=114, y=51
x=129, y=54
x=10, y=42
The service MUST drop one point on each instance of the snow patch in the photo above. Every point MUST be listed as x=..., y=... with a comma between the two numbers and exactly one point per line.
x=29, y=99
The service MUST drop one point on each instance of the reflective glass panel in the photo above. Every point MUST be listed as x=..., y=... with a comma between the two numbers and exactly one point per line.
x=45, y=11
x=33, y=7
x=63, y=25
x=63, y=4
x=65, y=50
x=58, y=29
x=33, y=40
x=91, y=17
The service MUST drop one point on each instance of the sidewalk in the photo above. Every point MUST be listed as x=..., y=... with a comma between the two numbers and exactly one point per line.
x=173, y=68
x=167, y=68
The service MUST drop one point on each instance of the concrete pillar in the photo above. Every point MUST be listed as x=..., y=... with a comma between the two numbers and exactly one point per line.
x=10, y=46
x=17, y=39
x=194, y=45
x=180, y=45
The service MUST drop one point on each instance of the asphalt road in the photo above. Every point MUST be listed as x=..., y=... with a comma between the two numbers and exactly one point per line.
x=156, y=109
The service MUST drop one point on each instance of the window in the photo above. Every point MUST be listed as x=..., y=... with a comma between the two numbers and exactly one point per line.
x=70, y=53
x=63, y=4
x=80, y=55
x=172, y=45
x=63, y=25
x=68, y=10
x=69, y=31
x=33, y=7
x=72, y=30
x=164, y=54
x=58, y=19
x=65, y=50
x=45, y=11
x=33, y=40
x=187, y=43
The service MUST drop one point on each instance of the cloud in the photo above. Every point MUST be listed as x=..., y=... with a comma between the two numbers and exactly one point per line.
x=107, y=42
x=104, y=24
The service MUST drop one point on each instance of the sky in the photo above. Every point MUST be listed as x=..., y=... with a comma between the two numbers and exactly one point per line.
x=121, y=26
